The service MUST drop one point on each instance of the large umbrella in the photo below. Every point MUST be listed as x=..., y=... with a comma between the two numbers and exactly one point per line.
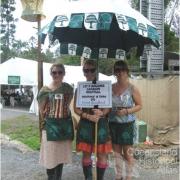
x=100, y=29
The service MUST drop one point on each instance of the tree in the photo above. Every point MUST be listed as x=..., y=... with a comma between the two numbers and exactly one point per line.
x=8, y=27
x=166, y=2
x=69, y=60
x=19, y=46
x=171, y=42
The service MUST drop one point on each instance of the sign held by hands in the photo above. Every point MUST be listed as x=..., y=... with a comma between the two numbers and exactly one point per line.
x=91, y=94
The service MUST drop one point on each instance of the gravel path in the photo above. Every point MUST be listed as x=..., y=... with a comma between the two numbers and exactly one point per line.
x=21, y=163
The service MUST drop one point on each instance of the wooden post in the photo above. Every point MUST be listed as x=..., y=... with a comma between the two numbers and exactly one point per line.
x=40, y=67
x=40, y=62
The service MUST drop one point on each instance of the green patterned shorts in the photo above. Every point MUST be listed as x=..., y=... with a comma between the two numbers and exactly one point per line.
x=86, y=131
x=122, y=134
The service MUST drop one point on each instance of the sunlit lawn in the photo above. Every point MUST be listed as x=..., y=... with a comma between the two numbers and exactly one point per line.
x=25, y=130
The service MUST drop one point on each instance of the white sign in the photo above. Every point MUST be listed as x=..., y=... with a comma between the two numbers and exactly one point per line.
x=90, y=95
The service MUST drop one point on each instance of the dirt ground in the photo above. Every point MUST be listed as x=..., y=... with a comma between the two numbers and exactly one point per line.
x=19, y=162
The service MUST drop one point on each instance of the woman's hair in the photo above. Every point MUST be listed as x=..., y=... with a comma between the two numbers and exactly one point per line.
x=58, y=65
x=121, y=66
x=90, y=62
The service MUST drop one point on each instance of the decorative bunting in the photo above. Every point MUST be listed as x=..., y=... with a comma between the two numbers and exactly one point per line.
x=120, y=54
x=86, y=52
x=103, y=53
x=72, y=49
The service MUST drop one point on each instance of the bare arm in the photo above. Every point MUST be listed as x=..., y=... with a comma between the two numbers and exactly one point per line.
x=137, y=100
x=95, y=117
x=77, y=110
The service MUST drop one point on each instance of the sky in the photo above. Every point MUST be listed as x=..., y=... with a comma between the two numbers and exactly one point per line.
x=25, y=29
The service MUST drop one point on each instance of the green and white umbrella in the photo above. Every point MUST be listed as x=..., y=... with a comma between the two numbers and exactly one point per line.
x=100, y=29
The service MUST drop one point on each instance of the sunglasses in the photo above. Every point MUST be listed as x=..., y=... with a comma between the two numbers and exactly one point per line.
x=57, y=72
x=89, y=70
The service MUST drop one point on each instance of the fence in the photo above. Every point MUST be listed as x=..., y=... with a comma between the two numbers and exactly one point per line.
x=160, y=99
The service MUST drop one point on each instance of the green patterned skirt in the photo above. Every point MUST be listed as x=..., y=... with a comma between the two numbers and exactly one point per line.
x=59, y=129
x=122, y=134
x=86, y=131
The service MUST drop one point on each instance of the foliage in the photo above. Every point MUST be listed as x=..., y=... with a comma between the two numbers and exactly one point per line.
x=133, y=60
x=8, y=27
x=106, y=65
x=24, y=129
x=166, y=2
x=69, y=60
x=171, y=42
x=32, y=54
x=135, y=4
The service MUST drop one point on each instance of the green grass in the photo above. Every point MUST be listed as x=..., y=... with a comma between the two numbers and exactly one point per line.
x=23, y=129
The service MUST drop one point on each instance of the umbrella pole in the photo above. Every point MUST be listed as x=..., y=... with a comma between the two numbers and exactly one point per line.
x=96, y=124
x=95, y=147
x=95, y=151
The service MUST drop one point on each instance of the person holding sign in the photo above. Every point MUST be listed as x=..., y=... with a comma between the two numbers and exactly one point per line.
x=86, y=131
x=56, y=124
x=126, y=100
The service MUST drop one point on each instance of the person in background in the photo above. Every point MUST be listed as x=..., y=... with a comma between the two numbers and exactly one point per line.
x=86, y=131
x=126, y=101
x=54, y=101
x=12, y=99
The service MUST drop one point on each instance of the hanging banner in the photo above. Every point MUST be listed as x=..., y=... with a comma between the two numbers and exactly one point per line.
x=94, y=94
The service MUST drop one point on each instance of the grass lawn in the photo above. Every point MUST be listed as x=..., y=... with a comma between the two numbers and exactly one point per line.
x=25, y=130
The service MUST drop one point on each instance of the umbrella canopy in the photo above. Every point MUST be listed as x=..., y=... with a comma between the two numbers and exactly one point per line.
x=101, y=29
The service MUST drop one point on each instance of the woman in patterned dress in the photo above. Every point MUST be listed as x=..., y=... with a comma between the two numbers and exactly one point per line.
x=54, y=101
x=86, y=131
x=126, y=100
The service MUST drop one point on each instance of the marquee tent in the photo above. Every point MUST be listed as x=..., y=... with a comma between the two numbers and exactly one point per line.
x=27, y=71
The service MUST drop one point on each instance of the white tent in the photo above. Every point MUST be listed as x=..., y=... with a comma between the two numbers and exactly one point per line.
x=27, y=70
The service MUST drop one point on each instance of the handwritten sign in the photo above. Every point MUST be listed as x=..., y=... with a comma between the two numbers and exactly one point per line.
x=89, y=94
